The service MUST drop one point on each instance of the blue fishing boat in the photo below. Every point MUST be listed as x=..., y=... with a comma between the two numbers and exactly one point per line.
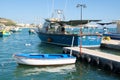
x=44, y=59
x=4, y=33
x=55, y=31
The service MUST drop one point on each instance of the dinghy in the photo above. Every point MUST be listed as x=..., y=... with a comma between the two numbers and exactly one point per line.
x=44, y=59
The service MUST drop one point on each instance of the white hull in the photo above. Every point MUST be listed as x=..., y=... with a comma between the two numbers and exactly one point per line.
x=44, y=62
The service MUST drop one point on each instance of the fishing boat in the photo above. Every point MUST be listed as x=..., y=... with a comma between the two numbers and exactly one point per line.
x=15, y=29
x=4, y=33
x=44, y=59
x=55, y=31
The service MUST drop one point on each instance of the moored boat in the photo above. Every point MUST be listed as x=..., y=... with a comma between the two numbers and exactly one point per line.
x=4, y=33
x=55, y=31
x=16, y=29
x=32, y=31
x=44, y=59
x=112, y=35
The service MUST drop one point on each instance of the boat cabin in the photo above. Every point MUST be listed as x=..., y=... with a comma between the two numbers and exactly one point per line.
x=69, y=27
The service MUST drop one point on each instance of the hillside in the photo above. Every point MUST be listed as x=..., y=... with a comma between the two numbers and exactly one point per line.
x=7, y=22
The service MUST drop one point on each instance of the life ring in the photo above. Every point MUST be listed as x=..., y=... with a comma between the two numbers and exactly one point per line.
x=107, y=38
x=49, y=40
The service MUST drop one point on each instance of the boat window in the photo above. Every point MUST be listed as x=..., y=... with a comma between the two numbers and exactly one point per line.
x=89, y=30
x=85, y=30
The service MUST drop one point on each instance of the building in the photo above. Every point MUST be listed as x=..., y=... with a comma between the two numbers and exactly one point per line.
x=118, y=26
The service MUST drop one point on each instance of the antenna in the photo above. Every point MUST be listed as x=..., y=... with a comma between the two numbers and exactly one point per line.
x=65, y=5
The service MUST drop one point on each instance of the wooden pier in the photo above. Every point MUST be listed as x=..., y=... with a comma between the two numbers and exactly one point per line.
x=113, y=44
x=109, y=61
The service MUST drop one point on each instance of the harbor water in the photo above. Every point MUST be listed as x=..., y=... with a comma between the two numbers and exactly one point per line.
x=22, y=42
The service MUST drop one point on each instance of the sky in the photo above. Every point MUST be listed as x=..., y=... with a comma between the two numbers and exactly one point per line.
x=35, y=11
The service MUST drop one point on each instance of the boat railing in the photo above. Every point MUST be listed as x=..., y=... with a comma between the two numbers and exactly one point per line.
x=71, y=33
x=55, y=29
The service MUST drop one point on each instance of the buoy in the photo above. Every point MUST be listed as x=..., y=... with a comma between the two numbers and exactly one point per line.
x=106, y=38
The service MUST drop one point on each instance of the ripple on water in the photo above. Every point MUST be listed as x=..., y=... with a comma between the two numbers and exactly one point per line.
x=16, y=43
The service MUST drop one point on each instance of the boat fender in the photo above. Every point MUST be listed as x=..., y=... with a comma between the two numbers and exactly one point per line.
x=107, y=38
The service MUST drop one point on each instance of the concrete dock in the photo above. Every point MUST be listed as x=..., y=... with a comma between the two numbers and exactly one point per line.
x=109, y=61
x=113, y=44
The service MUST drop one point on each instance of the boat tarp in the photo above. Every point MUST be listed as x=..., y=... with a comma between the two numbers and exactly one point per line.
x=73, y=22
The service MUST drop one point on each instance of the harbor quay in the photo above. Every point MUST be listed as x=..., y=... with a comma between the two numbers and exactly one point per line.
x=104, y=60
x=112, y=44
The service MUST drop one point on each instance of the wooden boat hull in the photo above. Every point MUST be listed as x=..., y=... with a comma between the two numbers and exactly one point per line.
x=44, y=59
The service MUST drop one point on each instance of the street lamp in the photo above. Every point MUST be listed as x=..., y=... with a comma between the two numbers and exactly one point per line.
x=81, y=6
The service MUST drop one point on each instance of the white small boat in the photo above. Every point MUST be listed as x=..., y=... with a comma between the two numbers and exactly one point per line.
x=44, y=59
x=32, y=31
x=16, y=29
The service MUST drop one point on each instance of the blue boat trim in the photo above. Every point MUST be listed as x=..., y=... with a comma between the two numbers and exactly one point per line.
x=44, y=56
x=69, y=45
x=66, y=39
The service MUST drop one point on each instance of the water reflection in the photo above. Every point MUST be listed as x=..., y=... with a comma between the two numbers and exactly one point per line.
x=23, y=70
x=3, y=39
x=87, y=71
x=45, y=48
